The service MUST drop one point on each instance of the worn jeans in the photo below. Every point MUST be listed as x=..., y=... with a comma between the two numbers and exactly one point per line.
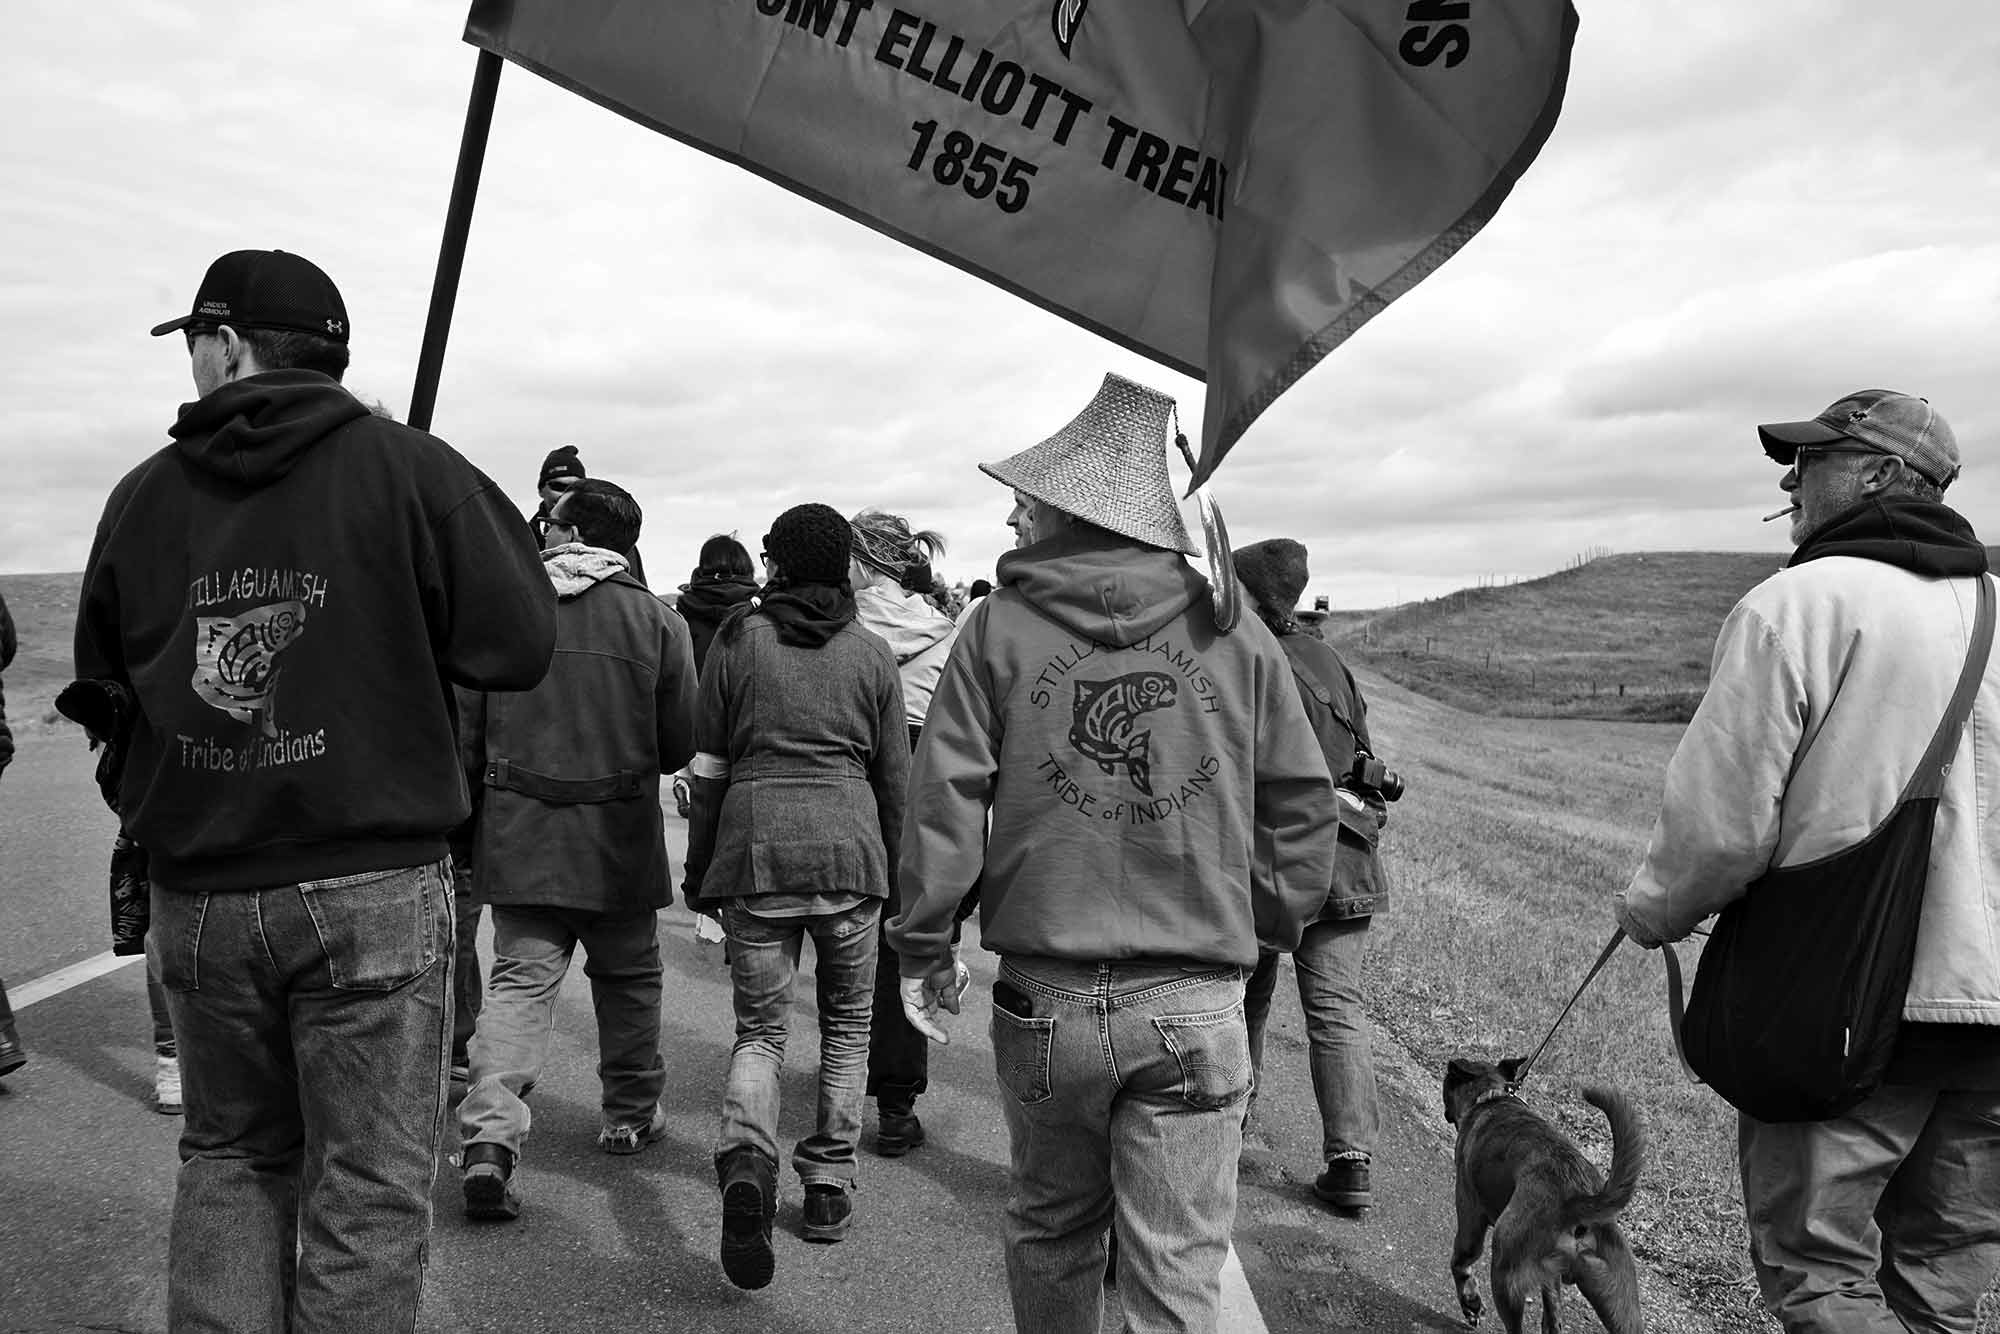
x=763, y=958
x=313, y=1021
x=1880, y=1221
x=1122, y=1086
x=156, y=1002
x=532, y=949
x=1328, y=964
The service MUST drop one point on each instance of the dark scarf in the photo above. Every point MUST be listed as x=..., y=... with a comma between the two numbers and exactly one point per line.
x=712, y=597
x=807, y=615
x=1923, y=536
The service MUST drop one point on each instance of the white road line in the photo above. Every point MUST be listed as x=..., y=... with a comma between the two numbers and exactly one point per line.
x=1239, y=1305
x=62, y=979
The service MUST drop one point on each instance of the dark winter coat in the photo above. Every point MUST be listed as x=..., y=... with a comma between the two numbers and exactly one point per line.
x=1339, y=718
x=568, y=773
x=817, y=759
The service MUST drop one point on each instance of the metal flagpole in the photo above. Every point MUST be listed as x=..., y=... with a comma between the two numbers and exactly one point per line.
x=457, y=225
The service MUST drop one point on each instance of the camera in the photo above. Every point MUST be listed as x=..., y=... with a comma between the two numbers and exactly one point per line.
x=1370, y=775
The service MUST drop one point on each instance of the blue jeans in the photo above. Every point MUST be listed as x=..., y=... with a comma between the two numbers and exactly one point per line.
x=313, y=1021
x=468, y=990
x=1328, y=962
x=763, y=958
x=1122, y=1085
x=532, y=948
x=1883, y=1220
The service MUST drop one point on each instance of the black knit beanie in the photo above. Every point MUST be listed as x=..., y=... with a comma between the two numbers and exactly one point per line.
x=810, y=544
x=1274, y=571
x=561, y=462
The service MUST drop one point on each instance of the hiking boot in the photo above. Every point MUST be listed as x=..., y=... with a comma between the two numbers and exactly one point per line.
x=167, y=1085
x=631, y=1139
x=489, y=1183
x=828, y=1212
x=897, y=1131
x=12, y=1054
x=749, y=1201
x=1344, y=1184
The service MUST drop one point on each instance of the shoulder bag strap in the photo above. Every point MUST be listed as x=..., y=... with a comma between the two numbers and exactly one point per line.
x=1928, y=780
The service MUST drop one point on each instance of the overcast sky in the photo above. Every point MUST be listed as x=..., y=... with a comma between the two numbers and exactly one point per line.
x=1745, y=211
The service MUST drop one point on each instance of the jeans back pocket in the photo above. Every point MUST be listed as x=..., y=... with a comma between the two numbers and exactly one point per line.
x=1213, y=1050
x=1021, y=1047
x=380, y=929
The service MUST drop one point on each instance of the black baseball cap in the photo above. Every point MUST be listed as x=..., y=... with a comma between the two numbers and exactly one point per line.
x=266, y=289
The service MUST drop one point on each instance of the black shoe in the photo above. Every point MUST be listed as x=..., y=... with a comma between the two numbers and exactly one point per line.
x=828, y=1212
x=897, y=1132
x=1344, y=1184
x=12, y=1054
x=749, y=1200
x=489, y=1183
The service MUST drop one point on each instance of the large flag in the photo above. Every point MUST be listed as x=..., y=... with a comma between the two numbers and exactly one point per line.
x=1231, y=187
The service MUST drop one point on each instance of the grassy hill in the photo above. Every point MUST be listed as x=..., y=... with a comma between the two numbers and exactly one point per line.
x=1619, y=637
x=44, y=610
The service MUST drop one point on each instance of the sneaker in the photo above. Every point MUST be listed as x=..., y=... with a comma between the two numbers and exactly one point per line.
x=749, y=1201
x=631, y=1139
x=828, y=1212
x=897, y=1132
x=1344, y=1184
x=12, y=1054
x=489, y=1183
x=167, y=1085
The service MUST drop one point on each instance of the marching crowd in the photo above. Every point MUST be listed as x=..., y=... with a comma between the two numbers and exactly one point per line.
x=347, y=698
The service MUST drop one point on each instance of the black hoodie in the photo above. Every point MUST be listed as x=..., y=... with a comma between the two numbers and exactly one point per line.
x=1922, y=536
x=289, y=589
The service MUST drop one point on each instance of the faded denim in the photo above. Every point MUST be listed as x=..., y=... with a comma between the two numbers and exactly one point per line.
x=313, y=1023
x=1883, y=1220
x=1123, y=1090
x=763, y=958
x=532, y=949
x=1328, y=964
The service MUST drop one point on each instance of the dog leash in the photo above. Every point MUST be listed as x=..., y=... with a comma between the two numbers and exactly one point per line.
x=1604, y=957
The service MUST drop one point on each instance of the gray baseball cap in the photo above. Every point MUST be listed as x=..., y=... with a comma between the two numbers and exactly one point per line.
x=1881, y=419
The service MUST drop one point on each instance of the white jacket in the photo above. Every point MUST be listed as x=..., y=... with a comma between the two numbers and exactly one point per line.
x=1829, y=680
x=918, y=634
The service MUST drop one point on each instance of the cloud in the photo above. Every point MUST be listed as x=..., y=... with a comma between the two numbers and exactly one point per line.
x=1744, y=212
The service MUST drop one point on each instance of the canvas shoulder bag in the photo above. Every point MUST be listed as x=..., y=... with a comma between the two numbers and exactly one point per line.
x=1799, y=993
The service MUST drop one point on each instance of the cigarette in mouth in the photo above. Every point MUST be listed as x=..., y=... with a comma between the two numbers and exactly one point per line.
x=1779, y=514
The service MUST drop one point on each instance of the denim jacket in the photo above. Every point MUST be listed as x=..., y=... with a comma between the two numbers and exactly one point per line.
x=1340, y=720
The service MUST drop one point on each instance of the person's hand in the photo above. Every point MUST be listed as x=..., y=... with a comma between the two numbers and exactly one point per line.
x=1635, y=931
x=925, y=997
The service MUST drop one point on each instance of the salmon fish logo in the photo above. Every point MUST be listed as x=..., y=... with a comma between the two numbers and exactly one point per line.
x=1105, y=724
x=236, y=659
x=1068, y=17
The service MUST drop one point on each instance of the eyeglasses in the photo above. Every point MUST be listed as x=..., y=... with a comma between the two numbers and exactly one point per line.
x=1805, y=451
x=194, y=331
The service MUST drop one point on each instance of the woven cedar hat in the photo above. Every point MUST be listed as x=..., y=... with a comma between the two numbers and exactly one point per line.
x=1108, y=466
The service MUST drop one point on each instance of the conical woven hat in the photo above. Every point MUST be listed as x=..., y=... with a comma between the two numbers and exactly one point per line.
x=1108, y=466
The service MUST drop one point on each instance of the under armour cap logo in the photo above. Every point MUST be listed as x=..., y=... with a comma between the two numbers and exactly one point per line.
x=333, y=326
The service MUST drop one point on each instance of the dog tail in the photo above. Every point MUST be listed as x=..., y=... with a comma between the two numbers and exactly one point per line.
x=1628, y=1147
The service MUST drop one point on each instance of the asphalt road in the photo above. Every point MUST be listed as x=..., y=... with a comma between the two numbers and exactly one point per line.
x=613, y=1244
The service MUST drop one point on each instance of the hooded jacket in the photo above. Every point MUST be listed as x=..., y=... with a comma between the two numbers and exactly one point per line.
x=1339, y=717
x=705, y=603
x=1155, y=788
x=918, y=634
x=569, y=773
x=289, y=590
x=1829, y=680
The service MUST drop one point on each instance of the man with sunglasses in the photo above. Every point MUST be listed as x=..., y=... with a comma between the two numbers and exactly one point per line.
x=1829, y=680
x=289, y=591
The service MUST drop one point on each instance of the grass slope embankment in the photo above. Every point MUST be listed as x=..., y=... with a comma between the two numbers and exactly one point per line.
x=44, y=610
x=1620, y=637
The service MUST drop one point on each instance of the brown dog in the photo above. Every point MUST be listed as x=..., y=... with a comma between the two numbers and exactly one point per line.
x=1554, y=1220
